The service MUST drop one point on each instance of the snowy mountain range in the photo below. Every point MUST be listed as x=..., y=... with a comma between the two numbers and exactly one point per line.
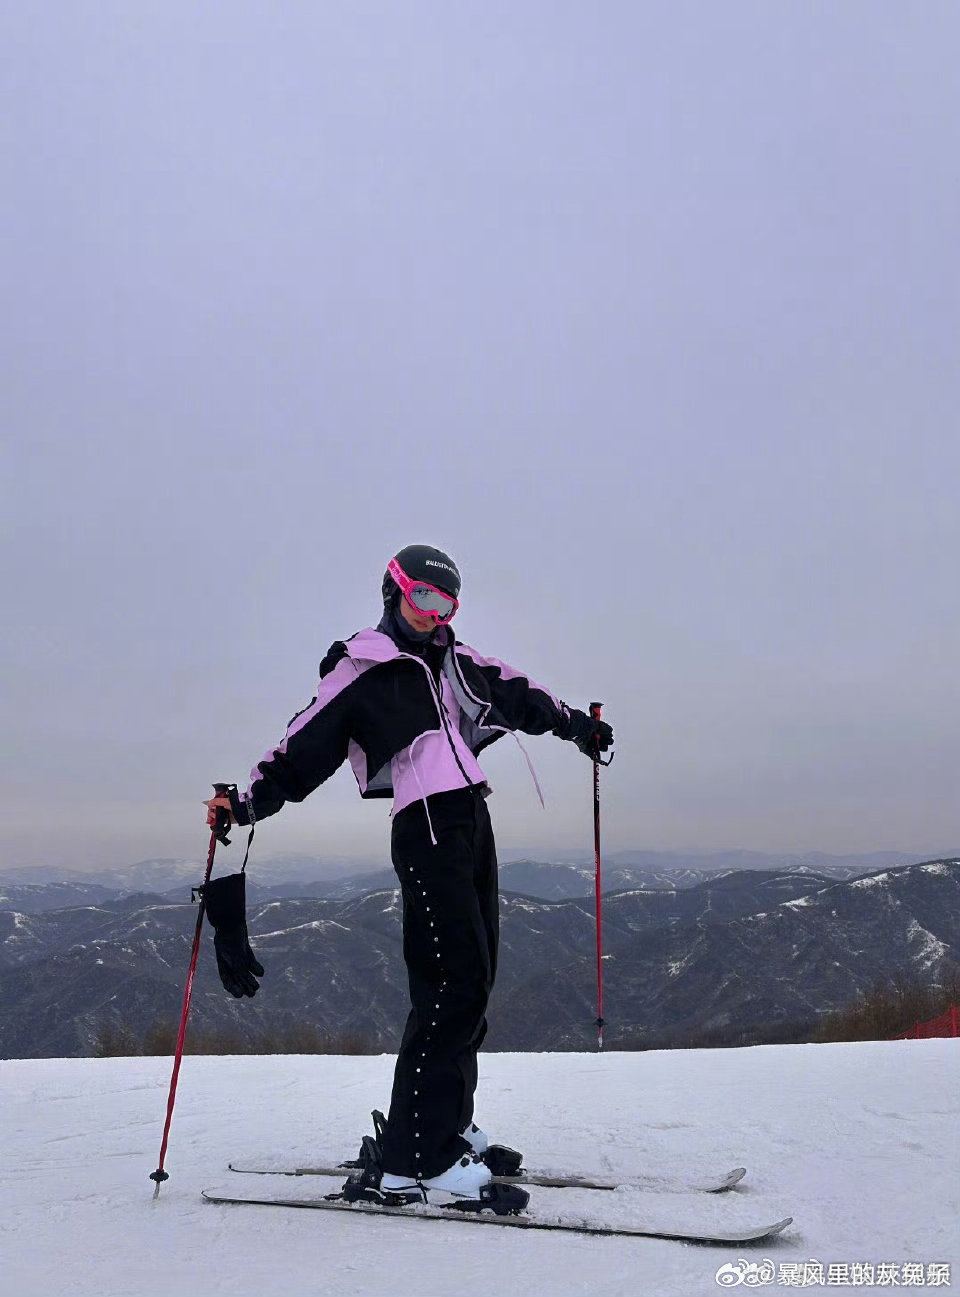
x=739, y=950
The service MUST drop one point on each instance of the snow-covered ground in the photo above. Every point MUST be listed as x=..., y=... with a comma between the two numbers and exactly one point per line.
x=859, y=1143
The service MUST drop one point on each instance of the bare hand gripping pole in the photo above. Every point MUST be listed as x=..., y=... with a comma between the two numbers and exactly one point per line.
x=218, y=834
x=597, y=763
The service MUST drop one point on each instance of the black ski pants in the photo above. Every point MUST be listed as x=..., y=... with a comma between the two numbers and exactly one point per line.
x=451, y=928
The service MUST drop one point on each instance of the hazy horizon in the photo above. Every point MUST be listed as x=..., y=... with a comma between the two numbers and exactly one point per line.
x=269, y=869
x=648, y=315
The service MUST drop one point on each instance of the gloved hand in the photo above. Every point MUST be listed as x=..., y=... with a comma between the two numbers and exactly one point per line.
x=591, y=736
x=225, y=901
x=220, y=811
x=222, y=804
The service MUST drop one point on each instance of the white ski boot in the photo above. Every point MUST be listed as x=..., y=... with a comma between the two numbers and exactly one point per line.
x=501, y=1160
x=476, y=1138
x=464, y=1179
x=468, y=1185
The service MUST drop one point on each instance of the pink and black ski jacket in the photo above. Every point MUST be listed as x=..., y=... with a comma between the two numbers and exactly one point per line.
x=404, y=735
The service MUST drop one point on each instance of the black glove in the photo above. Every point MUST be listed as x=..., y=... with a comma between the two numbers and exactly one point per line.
x=591, y=736
x=225, y=901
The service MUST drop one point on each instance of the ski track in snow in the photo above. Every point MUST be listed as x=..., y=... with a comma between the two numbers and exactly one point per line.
x=859, y=1143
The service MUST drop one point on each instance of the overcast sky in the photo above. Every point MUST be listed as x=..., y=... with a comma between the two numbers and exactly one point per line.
x=646, y=313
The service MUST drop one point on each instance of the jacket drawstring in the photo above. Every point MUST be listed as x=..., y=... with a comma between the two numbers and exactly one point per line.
x=531, y=769
x=533, y=772
x=423, y=795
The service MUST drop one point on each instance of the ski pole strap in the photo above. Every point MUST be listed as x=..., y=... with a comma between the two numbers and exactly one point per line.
x=243, y=868
x=222, y=825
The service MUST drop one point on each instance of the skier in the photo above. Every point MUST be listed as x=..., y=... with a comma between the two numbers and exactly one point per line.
x=411, y=707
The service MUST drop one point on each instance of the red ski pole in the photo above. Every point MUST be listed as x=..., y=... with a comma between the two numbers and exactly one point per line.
x=219, y=834
x=597, y=763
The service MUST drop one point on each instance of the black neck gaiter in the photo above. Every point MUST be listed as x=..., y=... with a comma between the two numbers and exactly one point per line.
x=409, y=640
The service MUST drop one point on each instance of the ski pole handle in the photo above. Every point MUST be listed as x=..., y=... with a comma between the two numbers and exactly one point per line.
x=223, y=821
x=595, y=716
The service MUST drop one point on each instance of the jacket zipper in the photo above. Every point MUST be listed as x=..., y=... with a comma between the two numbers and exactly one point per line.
x=485, y=708
x=435, y=694
x=446, y=729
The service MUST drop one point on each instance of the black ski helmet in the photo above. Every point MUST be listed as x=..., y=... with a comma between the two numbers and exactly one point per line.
x=424, y=563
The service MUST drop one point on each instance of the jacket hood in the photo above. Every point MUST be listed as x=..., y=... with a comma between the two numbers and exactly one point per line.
x=372, y=645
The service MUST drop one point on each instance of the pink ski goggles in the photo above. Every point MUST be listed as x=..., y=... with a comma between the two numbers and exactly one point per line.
x=425, y=599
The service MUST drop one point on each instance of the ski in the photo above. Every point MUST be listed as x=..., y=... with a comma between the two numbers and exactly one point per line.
x=541, y=1179
x=537, y=1218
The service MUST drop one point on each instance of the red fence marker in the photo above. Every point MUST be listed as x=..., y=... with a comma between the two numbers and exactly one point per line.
x=948, y=1024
